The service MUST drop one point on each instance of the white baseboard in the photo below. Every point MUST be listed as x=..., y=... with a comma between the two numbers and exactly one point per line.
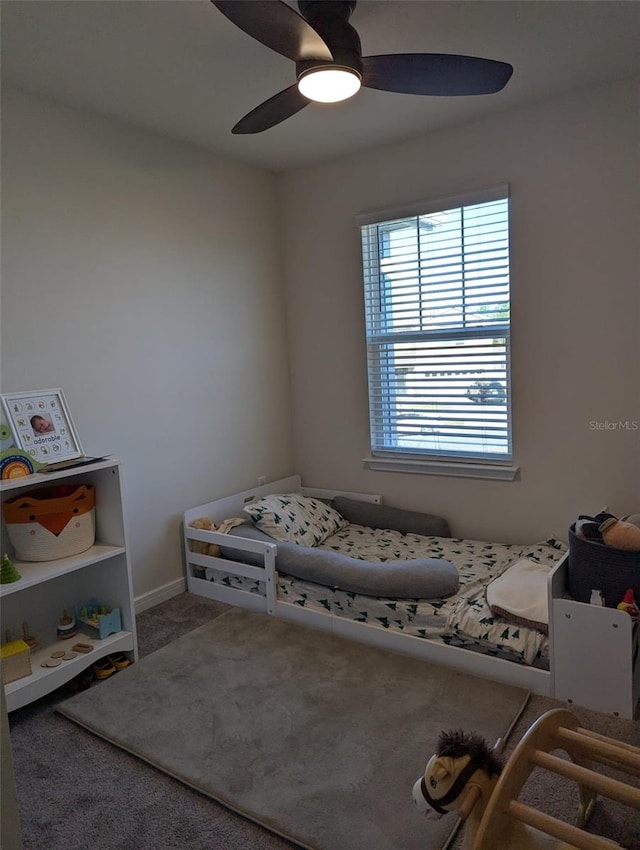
x=161, y=594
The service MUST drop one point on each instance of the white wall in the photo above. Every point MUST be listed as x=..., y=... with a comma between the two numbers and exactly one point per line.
x=143, y=277
x=573, y=166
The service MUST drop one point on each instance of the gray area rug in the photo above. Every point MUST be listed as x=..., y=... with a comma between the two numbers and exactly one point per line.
x=317, y=738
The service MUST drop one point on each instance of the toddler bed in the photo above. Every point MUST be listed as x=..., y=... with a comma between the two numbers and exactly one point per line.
x=360, y=581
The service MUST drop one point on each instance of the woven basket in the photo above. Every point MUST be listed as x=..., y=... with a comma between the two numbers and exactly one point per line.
x=52, y=522
x=595, y=566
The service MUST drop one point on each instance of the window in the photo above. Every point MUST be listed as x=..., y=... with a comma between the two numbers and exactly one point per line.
x=436, y=280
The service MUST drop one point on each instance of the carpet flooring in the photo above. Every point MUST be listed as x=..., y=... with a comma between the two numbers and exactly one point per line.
x=77, y=791
x=316, y=737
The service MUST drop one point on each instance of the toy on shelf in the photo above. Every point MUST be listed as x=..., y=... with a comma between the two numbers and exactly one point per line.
x=106, y=620
x=28, y=637
x=67, y=627
x=8, y=571
x=56, y=658
x=16, y=660
x=14, y=462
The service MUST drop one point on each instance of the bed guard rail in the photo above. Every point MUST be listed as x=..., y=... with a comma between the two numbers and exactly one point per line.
x=266, y=573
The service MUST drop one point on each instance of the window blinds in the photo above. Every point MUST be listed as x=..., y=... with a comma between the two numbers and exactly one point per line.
x=437, y=319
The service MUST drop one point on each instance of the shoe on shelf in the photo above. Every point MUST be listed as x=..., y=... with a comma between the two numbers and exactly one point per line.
x=103, y=669
x=119, y=660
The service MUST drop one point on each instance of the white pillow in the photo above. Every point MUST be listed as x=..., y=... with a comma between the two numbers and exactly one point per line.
x=293, y=518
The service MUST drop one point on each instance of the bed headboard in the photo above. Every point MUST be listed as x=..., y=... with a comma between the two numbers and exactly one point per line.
x=231, y=506
x=318, y=493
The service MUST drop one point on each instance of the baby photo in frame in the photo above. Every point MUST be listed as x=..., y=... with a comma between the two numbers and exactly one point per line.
x=42, y=425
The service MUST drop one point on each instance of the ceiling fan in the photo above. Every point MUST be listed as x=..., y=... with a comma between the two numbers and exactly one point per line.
x=329, y=62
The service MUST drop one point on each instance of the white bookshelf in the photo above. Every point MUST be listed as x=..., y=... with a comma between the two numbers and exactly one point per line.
x=47, y=588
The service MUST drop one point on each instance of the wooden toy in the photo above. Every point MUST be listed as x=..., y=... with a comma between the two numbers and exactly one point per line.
x=67, y=627
x=106, y=620
x=27, y=636
x=16, y=661
x=465, y=779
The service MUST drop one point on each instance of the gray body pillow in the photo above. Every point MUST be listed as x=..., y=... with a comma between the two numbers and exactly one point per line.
x=421, y=578
x=397, y=519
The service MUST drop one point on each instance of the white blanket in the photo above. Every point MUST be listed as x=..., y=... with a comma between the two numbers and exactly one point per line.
x=520, y=594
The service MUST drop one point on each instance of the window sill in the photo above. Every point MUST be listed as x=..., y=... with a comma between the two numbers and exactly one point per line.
x=443, y=467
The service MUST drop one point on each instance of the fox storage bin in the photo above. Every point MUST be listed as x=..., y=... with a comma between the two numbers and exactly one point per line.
x=52, y=522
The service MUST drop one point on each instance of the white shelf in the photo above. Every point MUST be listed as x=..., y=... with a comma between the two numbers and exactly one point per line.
x=43, y=680
x=47, y=588
x=33, y=573
x=44, y=478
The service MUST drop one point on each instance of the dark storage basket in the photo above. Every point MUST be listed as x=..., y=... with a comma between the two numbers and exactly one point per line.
x=595, y=566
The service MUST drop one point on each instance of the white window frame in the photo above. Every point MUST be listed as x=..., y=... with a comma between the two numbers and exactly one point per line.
x=396, y=458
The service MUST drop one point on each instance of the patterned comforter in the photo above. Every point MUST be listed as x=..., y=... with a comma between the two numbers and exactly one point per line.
x=462, y=620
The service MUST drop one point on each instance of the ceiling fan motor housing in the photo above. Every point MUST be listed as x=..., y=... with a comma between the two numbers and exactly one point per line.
x=330, y=19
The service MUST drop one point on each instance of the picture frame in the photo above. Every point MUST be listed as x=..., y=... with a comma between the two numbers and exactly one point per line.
x=42, y=426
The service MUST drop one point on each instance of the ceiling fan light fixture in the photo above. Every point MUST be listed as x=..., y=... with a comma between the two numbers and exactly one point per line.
x=330, y=66
x=329, y=83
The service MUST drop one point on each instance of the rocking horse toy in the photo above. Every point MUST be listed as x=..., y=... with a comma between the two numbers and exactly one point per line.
x=465, y=775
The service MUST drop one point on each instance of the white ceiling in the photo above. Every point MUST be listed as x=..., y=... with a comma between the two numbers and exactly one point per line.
x=179, y=67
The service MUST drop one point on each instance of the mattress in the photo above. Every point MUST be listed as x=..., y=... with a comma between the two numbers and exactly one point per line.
x=461, y=620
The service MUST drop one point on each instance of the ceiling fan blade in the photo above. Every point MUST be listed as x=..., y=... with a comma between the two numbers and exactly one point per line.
x=278, y=108
x=435, y=74
x=277, y=26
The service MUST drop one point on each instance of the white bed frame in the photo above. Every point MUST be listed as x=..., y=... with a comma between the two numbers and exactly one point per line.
x=608, y=621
